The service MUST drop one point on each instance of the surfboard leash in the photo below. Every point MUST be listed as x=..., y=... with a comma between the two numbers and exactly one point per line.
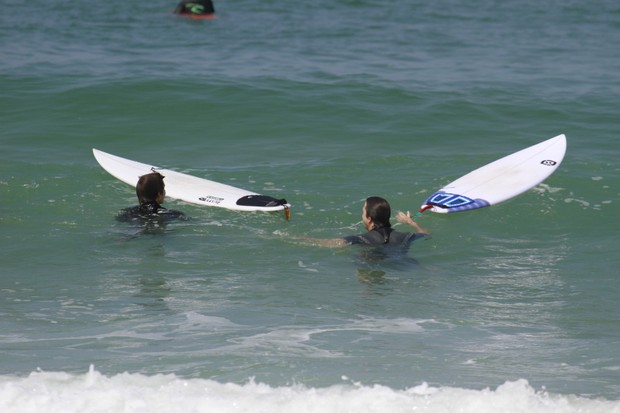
x=424, y=208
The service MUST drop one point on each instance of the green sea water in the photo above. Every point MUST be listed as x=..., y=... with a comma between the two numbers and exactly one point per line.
x=323, y=104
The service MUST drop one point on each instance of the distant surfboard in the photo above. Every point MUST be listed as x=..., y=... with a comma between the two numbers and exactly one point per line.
x=500, y=180
x=190, y=188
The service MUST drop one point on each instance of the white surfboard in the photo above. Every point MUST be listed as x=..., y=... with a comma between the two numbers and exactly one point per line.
x=190, y=188
x=500, y=180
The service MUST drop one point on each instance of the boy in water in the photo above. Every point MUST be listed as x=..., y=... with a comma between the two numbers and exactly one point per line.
x=151, y=192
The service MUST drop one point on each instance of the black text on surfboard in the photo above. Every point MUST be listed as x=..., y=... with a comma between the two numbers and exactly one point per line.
x=211, y=199
x=549, y=162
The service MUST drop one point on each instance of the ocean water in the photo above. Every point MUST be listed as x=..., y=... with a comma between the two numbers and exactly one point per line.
x=512, y=308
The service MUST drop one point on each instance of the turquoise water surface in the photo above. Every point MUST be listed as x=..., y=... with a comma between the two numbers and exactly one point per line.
x=513, y=308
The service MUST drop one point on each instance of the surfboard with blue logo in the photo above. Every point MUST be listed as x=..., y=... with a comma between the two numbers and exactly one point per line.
x=500, y=180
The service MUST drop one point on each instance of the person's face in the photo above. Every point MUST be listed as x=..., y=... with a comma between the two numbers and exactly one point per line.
x=367, y=221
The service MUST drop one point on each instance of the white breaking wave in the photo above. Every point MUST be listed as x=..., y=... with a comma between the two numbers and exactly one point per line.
x=52, y=392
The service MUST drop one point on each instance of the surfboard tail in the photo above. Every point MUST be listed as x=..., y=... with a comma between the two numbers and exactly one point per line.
x=447, y=202
x=261, y=201
x=266, y=201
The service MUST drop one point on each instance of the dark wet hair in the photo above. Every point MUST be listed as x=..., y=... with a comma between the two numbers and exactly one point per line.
x=149, y=186
x=378, y=209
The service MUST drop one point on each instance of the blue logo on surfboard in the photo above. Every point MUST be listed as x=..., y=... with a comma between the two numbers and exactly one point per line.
x=455, y=202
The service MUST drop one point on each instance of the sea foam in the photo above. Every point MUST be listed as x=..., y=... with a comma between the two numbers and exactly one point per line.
x=133, y=393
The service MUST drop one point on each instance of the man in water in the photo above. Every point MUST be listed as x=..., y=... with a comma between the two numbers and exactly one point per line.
x=195, y=8
x=376, y=214
x=151, y=192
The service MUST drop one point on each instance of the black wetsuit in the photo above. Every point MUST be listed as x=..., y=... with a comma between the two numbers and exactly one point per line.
x=195, y=7
x=384, y=236
x=149, y=211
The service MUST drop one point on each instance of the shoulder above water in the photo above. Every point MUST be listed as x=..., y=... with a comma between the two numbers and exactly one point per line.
x=149, y=211
x=385, y=238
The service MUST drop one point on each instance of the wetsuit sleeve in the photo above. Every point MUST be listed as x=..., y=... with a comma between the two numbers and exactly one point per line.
x=370, y=238
x=127, y=214
x=354, y=239
x=418, y=235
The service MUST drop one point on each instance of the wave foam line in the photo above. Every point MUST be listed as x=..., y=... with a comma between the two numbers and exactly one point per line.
x=138, y=393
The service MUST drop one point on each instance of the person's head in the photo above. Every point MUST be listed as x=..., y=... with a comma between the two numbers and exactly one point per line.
x=202, y=8
x=376, y=213
x=150, y=188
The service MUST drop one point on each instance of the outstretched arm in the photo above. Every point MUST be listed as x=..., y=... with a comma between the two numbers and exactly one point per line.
x=326, y=242
x=406, y=219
